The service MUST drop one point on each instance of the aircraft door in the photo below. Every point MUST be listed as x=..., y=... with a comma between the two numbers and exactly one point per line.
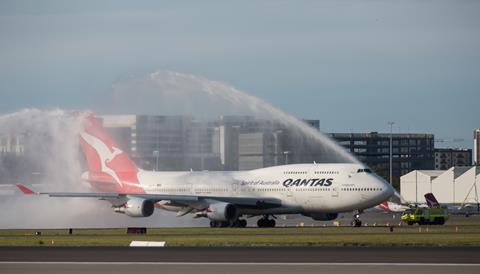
x=335, y=192
x=311, y=199
x=235, y=187
x=288, y=195
x=189, y=187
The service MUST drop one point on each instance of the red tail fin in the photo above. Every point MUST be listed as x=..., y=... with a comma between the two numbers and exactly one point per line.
x=431, y=200
x=106, y=161
x=384, y=206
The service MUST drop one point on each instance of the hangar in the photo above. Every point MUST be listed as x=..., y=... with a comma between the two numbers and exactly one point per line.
x=457, y=185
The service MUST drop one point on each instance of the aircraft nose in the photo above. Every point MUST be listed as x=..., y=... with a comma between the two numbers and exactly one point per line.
x=388, y=189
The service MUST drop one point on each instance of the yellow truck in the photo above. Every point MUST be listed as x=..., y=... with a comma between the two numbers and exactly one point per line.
x=425, y=216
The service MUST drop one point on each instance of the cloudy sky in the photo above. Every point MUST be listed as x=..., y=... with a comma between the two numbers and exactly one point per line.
x=352, y=64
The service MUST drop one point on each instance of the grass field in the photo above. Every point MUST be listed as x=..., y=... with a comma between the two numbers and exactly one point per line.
x=448, y=235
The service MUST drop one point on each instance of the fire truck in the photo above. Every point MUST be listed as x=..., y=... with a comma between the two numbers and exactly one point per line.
x=434, y=214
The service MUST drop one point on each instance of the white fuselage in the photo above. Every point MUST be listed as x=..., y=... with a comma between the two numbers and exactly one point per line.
x=302, y=188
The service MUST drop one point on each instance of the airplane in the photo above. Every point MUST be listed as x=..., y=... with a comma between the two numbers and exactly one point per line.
x=392, y=207
x=227, y=198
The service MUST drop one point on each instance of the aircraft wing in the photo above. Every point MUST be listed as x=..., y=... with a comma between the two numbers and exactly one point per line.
x=255, y=202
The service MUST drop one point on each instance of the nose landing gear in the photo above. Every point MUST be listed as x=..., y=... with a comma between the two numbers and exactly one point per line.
x=356, y=220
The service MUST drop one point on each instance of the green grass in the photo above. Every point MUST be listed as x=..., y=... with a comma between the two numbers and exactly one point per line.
x=467, y=235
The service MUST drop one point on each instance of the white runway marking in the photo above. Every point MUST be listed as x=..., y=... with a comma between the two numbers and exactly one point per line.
x=245, y=264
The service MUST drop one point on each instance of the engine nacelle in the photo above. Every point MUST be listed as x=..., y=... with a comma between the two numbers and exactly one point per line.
x=323, y=216
x=137, y=208
x=222, y=212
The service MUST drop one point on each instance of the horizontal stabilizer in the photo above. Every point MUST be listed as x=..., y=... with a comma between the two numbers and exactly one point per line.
x=25, y=190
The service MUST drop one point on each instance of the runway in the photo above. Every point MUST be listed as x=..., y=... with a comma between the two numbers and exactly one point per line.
x=234, y=268
x=241, y=260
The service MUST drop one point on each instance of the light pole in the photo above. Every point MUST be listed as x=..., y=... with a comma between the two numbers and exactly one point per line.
x=286, y=156
x=391, y=135
x=156, y=154
x=277, y=145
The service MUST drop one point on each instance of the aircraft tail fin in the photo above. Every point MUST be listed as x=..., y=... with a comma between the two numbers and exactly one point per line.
x=384, y=206
x=105, y=160
x=431, y=200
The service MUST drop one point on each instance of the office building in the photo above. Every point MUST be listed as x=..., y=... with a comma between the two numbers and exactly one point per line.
x=164, y=142
x=409, y=151
x=258, y=150
x=313, y=123
x=446, y=158
x=11, y=145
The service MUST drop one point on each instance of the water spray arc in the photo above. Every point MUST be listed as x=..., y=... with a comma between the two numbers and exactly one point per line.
x=177, y=93
x=53, y=135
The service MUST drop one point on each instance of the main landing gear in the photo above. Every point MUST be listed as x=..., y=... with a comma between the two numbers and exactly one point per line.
x=266, y=222
x=356, y=220
x=233, y=223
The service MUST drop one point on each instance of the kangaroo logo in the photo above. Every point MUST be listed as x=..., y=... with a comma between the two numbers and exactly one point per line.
x=104, y=153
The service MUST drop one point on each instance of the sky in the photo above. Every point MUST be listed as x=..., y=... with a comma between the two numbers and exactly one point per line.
x=354, y=65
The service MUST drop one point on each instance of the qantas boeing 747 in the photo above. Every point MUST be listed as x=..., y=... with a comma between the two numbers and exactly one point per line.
x=227, y=198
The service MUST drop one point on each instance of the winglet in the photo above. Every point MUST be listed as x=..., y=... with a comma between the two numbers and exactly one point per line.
x=25, y=190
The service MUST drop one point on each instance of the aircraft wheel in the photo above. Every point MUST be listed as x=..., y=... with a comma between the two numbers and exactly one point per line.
x=224, y=224
x=356, y=223
x=242, y=223
x=271, y=223
x=262, y=222
x=237, y=223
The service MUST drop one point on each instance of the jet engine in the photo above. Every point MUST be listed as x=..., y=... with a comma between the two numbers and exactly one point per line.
x=222, y=212
x=137, y=208
x=323, y=216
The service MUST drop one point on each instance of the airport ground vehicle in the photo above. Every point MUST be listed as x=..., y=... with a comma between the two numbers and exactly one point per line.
x=425, y=216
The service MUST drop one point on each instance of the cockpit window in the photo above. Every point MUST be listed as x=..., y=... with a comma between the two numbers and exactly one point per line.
x=366, y=170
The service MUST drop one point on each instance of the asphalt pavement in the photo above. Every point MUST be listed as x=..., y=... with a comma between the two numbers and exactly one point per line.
x=338, y=260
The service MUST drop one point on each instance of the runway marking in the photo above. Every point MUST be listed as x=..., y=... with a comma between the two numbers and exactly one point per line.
x=246, y=264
